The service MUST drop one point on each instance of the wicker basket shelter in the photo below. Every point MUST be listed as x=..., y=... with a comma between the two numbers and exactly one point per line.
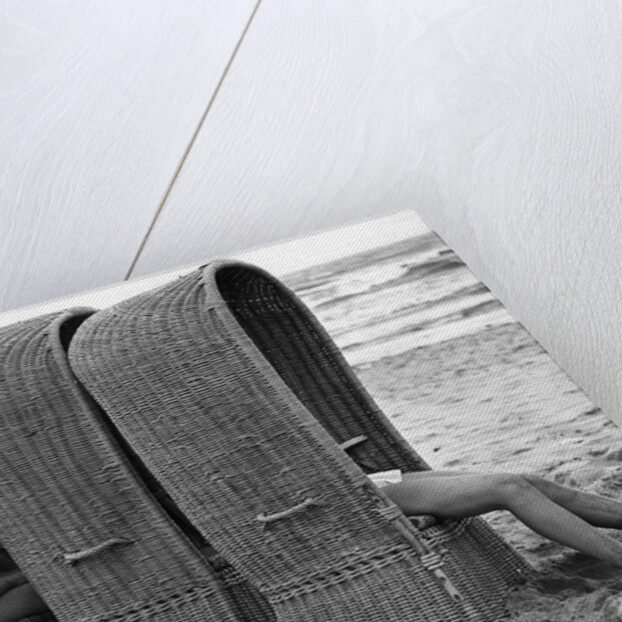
x=243, y=408
x=74, y=515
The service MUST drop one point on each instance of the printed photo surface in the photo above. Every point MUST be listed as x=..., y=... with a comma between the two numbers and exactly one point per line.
x=506, y=439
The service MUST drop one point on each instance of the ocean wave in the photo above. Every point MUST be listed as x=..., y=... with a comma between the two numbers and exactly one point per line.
x=429, y=324
x=407, y=275
x=435, y=266
x=337, y=268
x=458, y=296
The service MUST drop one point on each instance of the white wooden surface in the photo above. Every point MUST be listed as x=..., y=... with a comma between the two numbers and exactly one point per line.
x=499, y=122
x=522, y=171
x=313, y=128
x=98, y=103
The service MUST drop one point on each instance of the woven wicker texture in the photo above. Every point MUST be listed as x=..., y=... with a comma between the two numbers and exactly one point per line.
x=74, y=517
x=237, y=429
x=295, y=343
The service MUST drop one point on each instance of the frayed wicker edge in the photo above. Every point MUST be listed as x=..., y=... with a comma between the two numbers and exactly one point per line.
x=170, y=601
x=350, y=568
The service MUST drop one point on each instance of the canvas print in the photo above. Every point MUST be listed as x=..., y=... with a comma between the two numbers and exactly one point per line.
x=320, y=430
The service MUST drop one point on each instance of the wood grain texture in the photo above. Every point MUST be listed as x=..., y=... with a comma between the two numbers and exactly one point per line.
x=98, y=102
x=499, y=122
x=301, y=135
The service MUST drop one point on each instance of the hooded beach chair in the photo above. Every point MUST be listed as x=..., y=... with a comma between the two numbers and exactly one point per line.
x=242, y=407
x=76, y=516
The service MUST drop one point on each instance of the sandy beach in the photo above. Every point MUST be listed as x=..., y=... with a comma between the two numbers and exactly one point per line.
x=495, y=401
x=470, y=389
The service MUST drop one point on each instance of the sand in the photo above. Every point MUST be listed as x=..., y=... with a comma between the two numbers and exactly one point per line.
x=495, y=401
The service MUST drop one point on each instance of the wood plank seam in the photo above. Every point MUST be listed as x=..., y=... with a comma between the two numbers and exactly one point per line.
x=191, y=142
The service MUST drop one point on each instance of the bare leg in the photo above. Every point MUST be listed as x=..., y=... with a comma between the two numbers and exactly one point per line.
x=461, y=495
x=19, y=603
x=596, y=510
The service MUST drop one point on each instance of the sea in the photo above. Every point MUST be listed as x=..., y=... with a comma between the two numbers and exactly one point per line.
x=470, y=389
x=393, y=298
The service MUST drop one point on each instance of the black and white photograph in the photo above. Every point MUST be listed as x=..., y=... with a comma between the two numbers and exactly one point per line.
x=369, y=436
x=310, y=311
